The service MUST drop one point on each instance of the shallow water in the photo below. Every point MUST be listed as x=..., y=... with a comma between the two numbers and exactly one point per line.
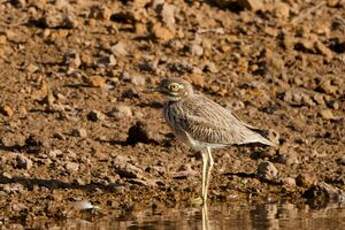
x=263, y=216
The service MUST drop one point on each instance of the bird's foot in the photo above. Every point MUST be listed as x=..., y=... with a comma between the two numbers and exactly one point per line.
x=198, y=201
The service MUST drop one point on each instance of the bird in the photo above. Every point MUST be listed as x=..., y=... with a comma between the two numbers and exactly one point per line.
x=203, y=124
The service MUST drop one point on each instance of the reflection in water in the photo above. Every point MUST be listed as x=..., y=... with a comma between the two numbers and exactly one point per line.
x=244, y=216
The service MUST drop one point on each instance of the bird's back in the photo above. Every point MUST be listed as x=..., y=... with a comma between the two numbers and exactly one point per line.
x=206, y=121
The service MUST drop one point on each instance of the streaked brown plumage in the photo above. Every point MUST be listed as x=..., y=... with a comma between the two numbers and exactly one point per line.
x=203, y=124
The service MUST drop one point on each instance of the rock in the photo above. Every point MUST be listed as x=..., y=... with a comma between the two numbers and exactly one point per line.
x=59, y=20
x=124, y=168
x=23, y=162
x=79, y=133
x=121, y=111
x=168, y=15
x=267, y=170
x=106, y=61
x=140, y=133
x=72, y=167
x=6, y=110
x=341, y=161
x=333, y=3
x=327, y=114
x=120, y=49
x=324, y=50
x=253, y=5
x=282, y=10
x=306, y=180
x=35, y=144
x=95, y=115
x=196, y=50
x=18, y=3
x=326, y=86
x=197, y=79
x=162, y=33
x=211, y=67
x=324, y=192
x=96, y=81
x=286, y=155
x=72, y=59
x=184, y=172
x=100, y=12
x=289, y=182
x=138, y=80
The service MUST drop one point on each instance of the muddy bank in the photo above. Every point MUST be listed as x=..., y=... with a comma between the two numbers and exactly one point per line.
x=75, y=123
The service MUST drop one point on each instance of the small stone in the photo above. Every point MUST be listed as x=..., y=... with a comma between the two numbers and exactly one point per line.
x=138, y=80
x=55, y=153
x=72, y=59
x=6, y=110
x=79, y=133
x=168, y=15
x=210, y=66
x=282, y=10
x=140, y=133
x=22, y=162
x=327, y=114
x=289, y=182
x=100, y=12
x=253, y=5
x=120, y=49
x=327, y=87
x=267, y=170
x=95, y=115
x=197, y=79
x=72, y=167
x=121, y=111
x=305, y=180
x=333, y=3
x=341, y=161
x=106, y=61
x=323, y=49
x=324, y=192
x=59, y=20
x=32, y=68
x=196, y=50
x=96, y=81
x=162, y=33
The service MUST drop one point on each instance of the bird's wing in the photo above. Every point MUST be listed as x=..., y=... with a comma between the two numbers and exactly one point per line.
x=207, y=121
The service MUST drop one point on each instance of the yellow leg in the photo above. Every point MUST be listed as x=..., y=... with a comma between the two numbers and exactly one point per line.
x=209, y=168
x=205, y=160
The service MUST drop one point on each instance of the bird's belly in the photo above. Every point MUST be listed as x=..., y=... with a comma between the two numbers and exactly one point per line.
x=194, y=144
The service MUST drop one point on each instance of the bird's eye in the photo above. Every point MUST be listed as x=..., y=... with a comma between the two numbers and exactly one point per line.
x=174, y=87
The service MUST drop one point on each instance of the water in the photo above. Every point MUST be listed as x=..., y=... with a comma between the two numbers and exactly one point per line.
x=261, y=216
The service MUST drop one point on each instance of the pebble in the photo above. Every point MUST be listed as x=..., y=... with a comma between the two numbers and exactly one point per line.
x=121, y=111
x=138, y=80
x=305, y=180
x=141, y=133
x=79, y=133
x=95, y=115
x=72, y=59
x=267, y=170
x=60, y=20
x=289, y=181
x=211, y=66
x=23, y=162
x=196, y=50
x=327, y=114
x=72, y=167
x=162, y=33
x=96, y=81
x=120, y=49
x=6, y=110
x=324, y=192
x=168, y=15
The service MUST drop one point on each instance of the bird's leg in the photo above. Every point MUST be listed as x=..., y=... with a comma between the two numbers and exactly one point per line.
x=209, y=168
x=205, y=160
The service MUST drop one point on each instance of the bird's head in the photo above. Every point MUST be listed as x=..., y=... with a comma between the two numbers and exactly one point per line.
x=175, y=89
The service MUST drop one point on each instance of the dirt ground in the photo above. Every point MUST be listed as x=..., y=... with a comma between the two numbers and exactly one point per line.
x=76, y=124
